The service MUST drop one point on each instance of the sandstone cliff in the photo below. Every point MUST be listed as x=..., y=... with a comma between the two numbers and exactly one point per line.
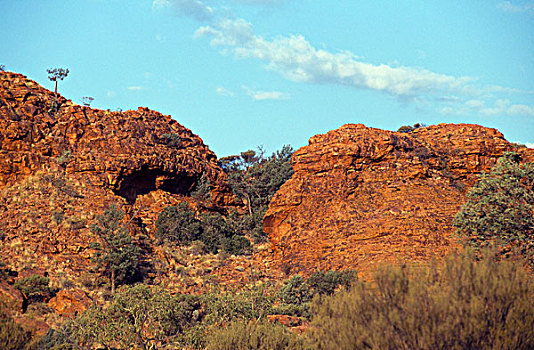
x=131, y=153
x=361, y=195
x=62, y=164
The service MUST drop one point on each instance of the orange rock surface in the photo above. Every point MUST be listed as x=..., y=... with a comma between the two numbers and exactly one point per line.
x=361, y=195
x=127, y=152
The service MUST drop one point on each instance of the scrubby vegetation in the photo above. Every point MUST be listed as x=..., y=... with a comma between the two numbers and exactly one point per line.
x=254, y=180
x=34, y=289
x=243, y=335
x=466, y=304
x=410, y=128
x=12, y=336
x=178, y=224
x=500, y=209
x=116, y=254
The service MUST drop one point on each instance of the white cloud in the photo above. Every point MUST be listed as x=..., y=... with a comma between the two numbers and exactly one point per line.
x=507, y=6
x=135, y=88
x=259, y=95
x=110, y=93
x=475, y=103
x=224, y=92
x=187, y=8
x=296, y=59
x=505, y=107
x=529, y=144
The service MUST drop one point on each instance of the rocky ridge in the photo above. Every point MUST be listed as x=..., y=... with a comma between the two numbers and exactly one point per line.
x=360, y=195
x=62, y=164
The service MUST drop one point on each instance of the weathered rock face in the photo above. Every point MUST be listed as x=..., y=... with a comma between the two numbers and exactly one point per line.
x=361, y=195
x=62, y=164
x=132, y=153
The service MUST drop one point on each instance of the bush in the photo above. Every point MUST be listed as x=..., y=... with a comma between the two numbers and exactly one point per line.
x=465, y=304
x=12, y=336
x=297, y=293
x=172, y=140
x=138, y=316
x=34, y=288
x=237, y=245
x=254, y=180
x=221, y=308
x=244, y=335
x=178, y=224
x=500, y=207
x=53, y=340
x=214, y=230
x=410, y=128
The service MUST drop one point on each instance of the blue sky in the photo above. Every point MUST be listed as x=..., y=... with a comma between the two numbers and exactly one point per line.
x=243, y=73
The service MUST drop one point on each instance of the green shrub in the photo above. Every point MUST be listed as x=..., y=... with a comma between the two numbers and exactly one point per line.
x=178, y=224
x=137, y=317
x=297, y=293
x=245, y=335
x=252, y=304
x=214, y=230
x=53, y=340
x=321, y=282
x=237, y=245
x=500, y=207
x=201, y=192
x=465, y=304
x=172, y=140
x=116, y=253
x=410, y=128
x=254, y=180
x=34, y=288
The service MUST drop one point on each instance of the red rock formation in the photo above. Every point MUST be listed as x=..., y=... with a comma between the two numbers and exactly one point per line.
x=62, y=164
x=130, y=153
x=361, y=195
x=70, y=303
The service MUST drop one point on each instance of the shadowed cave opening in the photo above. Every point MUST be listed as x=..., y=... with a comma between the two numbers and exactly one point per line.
x=147, y=180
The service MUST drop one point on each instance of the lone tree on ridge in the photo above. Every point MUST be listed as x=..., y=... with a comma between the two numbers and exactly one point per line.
x=55, y=74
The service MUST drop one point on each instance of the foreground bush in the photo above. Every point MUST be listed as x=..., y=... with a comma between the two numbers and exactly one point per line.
x=466, y=304
x=297, y=293
x=244, y=335
x=12, y=336
x=137, y=317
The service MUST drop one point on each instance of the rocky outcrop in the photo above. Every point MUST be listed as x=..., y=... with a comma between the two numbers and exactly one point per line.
x=70, y=302
x=131, y=153
x=361, y=195
x=62, y=164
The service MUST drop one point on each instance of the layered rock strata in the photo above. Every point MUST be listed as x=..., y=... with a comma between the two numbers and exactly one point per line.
x=361, y=195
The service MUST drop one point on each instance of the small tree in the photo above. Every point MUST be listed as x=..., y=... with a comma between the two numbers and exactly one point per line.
x=33, y=288
x=500, y=207
x=116, y=254
x=2, y=67
x=87, y=100
x=55, y=74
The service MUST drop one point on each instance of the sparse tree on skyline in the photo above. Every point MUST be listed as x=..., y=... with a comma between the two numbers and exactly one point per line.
x=55, y=74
